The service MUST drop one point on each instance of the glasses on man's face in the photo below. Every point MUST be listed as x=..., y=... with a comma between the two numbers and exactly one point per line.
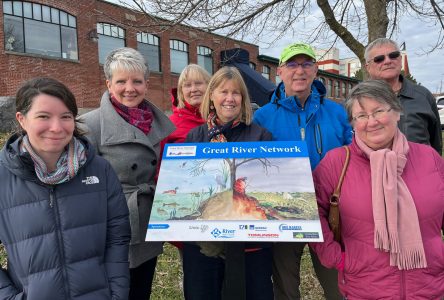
x=380, y=58
x=377, y=114
x=305, y=65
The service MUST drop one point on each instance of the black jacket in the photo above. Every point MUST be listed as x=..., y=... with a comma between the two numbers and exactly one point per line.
x=68, y=241
x=240, y=133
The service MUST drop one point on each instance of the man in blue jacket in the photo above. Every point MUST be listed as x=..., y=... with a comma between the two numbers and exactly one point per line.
x=299, y=111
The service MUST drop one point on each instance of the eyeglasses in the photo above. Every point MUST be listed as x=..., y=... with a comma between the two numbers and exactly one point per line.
x=305, y=65
x=378, y=114
x=380, y=58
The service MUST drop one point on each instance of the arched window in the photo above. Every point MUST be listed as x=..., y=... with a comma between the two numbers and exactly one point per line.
x=39, y=29
x=148, y=45
x=252, y=65
x=178, y=55
x=110, y=37
x=266, y=72
x=205, y=58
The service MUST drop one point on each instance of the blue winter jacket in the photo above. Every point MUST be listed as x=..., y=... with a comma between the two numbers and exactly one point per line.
x=322, y=123
x=67, y=241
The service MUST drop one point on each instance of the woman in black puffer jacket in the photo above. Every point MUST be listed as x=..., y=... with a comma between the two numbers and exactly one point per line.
x=63, y=216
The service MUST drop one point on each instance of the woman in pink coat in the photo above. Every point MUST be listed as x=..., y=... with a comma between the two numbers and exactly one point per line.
x=391, y=206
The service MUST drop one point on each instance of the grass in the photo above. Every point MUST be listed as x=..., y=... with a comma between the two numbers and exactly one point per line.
x=167, y=283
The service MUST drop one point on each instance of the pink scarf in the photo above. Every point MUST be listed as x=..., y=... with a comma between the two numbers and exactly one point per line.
x=396, y=220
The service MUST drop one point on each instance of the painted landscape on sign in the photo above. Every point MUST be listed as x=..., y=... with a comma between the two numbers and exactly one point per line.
x=235, y=189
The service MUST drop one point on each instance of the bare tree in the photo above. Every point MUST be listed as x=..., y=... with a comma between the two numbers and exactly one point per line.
x=356, y=23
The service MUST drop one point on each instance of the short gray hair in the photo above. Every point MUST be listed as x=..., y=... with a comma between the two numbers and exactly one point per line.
x=377, y=43
x=126, y=59
x=378, y=90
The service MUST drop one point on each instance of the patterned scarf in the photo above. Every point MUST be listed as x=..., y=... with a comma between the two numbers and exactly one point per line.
x=140, y=116
x=69, y=163
x=394, y=212
x=215, y=131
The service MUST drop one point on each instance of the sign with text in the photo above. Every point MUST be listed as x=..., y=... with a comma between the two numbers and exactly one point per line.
x=250, y=191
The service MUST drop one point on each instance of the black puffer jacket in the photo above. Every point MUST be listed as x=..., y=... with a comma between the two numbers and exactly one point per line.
x=68, y=241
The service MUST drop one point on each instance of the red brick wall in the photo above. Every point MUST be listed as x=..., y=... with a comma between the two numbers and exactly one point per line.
x=85, y=77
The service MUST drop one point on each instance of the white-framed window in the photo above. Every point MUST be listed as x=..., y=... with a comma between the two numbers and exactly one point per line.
x=149, y=46
x=178, y=55
x=205, y=58
x=278, y=79
x=110, y=37
x=39, y=29
x=330, y=88
x=252, y=65
x=266, y=72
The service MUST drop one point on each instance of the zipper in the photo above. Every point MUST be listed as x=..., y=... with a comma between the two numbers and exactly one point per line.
x=318, y=139
x=53, y=204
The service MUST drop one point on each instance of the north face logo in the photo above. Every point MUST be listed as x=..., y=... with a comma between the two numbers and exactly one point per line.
x=90, y=180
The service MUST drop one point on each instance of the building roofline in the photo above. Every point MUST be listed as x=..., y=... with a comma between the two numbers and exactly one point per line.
x=183, y=25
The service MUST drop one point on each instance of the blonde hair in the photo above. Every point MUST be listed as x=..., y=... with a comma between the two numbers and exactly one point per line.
x=219, y=78
x=190, y=71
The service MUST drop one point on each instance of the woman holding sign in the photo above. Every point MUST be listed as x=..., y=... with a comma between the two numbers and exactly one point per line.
x=392, y=208
x=127, y=130
x=227, y=110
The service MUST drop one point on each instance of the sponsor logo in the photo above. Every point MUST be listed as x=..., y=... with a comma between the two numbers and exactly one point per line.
x=91, y=180
x=305, y=235
x=283, y=227
x=264, y=235
x=252, y=227
x=158, y=226
x=203, y=228
x=179, y=151
x=223, y=233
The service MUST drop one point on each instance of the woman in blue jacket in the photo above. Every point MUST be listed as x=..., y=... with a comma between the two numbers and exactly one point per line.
x=64, y=219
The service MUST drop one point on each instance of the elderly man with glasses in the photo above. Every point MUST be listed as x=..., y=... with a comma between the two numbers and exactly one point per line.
x=419, y=118
x=299, y=111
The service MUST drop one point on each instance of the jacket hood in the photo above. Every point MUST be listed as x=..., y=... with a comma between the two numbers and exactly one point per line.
x=174, y=99
x=22, y=164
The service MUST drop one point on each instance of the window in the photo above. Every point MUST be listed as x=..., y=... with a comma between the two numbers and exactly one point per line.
x=337, y=89
x=178, y=55
x=148, y=45
x=278, y=79
x=110, y=37
x=39, y=29
x=322, y=79
x=330, y=88
x=343, y=91
x=266, y=72
x=205, y=58
x=252, y=65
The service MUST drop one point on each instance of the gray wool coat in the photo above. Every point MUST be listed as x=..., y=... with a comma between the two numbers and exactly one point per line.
x=134, y=156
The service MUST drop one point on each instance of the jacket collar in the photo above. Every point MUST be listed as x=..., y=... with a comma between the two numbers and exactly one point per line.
x=407, y=87
x=111, y=122
x=292, y=103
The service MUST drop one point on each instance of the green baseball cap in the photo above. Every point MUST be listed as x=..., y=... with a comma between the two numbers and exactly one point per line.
x=295, y=49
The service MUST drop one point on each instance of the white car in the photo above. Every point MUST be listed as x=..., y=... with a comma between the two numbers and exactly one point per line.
x=440, y=104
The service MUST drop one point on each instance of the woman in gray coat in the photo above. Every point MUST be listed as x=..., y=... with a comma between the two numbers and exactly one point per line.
x=127, y=130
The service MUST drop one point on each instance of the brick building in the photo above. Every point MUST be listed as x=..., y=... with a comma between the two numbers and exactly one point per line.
x=68, y=40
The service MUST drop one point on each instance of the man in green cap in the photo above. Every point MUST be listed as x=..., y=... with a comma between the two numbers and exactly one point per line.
x=299, y=111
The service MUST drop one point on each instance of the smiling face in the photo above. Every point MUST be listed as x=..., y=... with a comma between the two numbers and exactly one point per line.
x=389, y=69
x=227, y=100
x=375, y=133
x=128, y=87
x=193, y=90
x=298, y=80
x=49, y=125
